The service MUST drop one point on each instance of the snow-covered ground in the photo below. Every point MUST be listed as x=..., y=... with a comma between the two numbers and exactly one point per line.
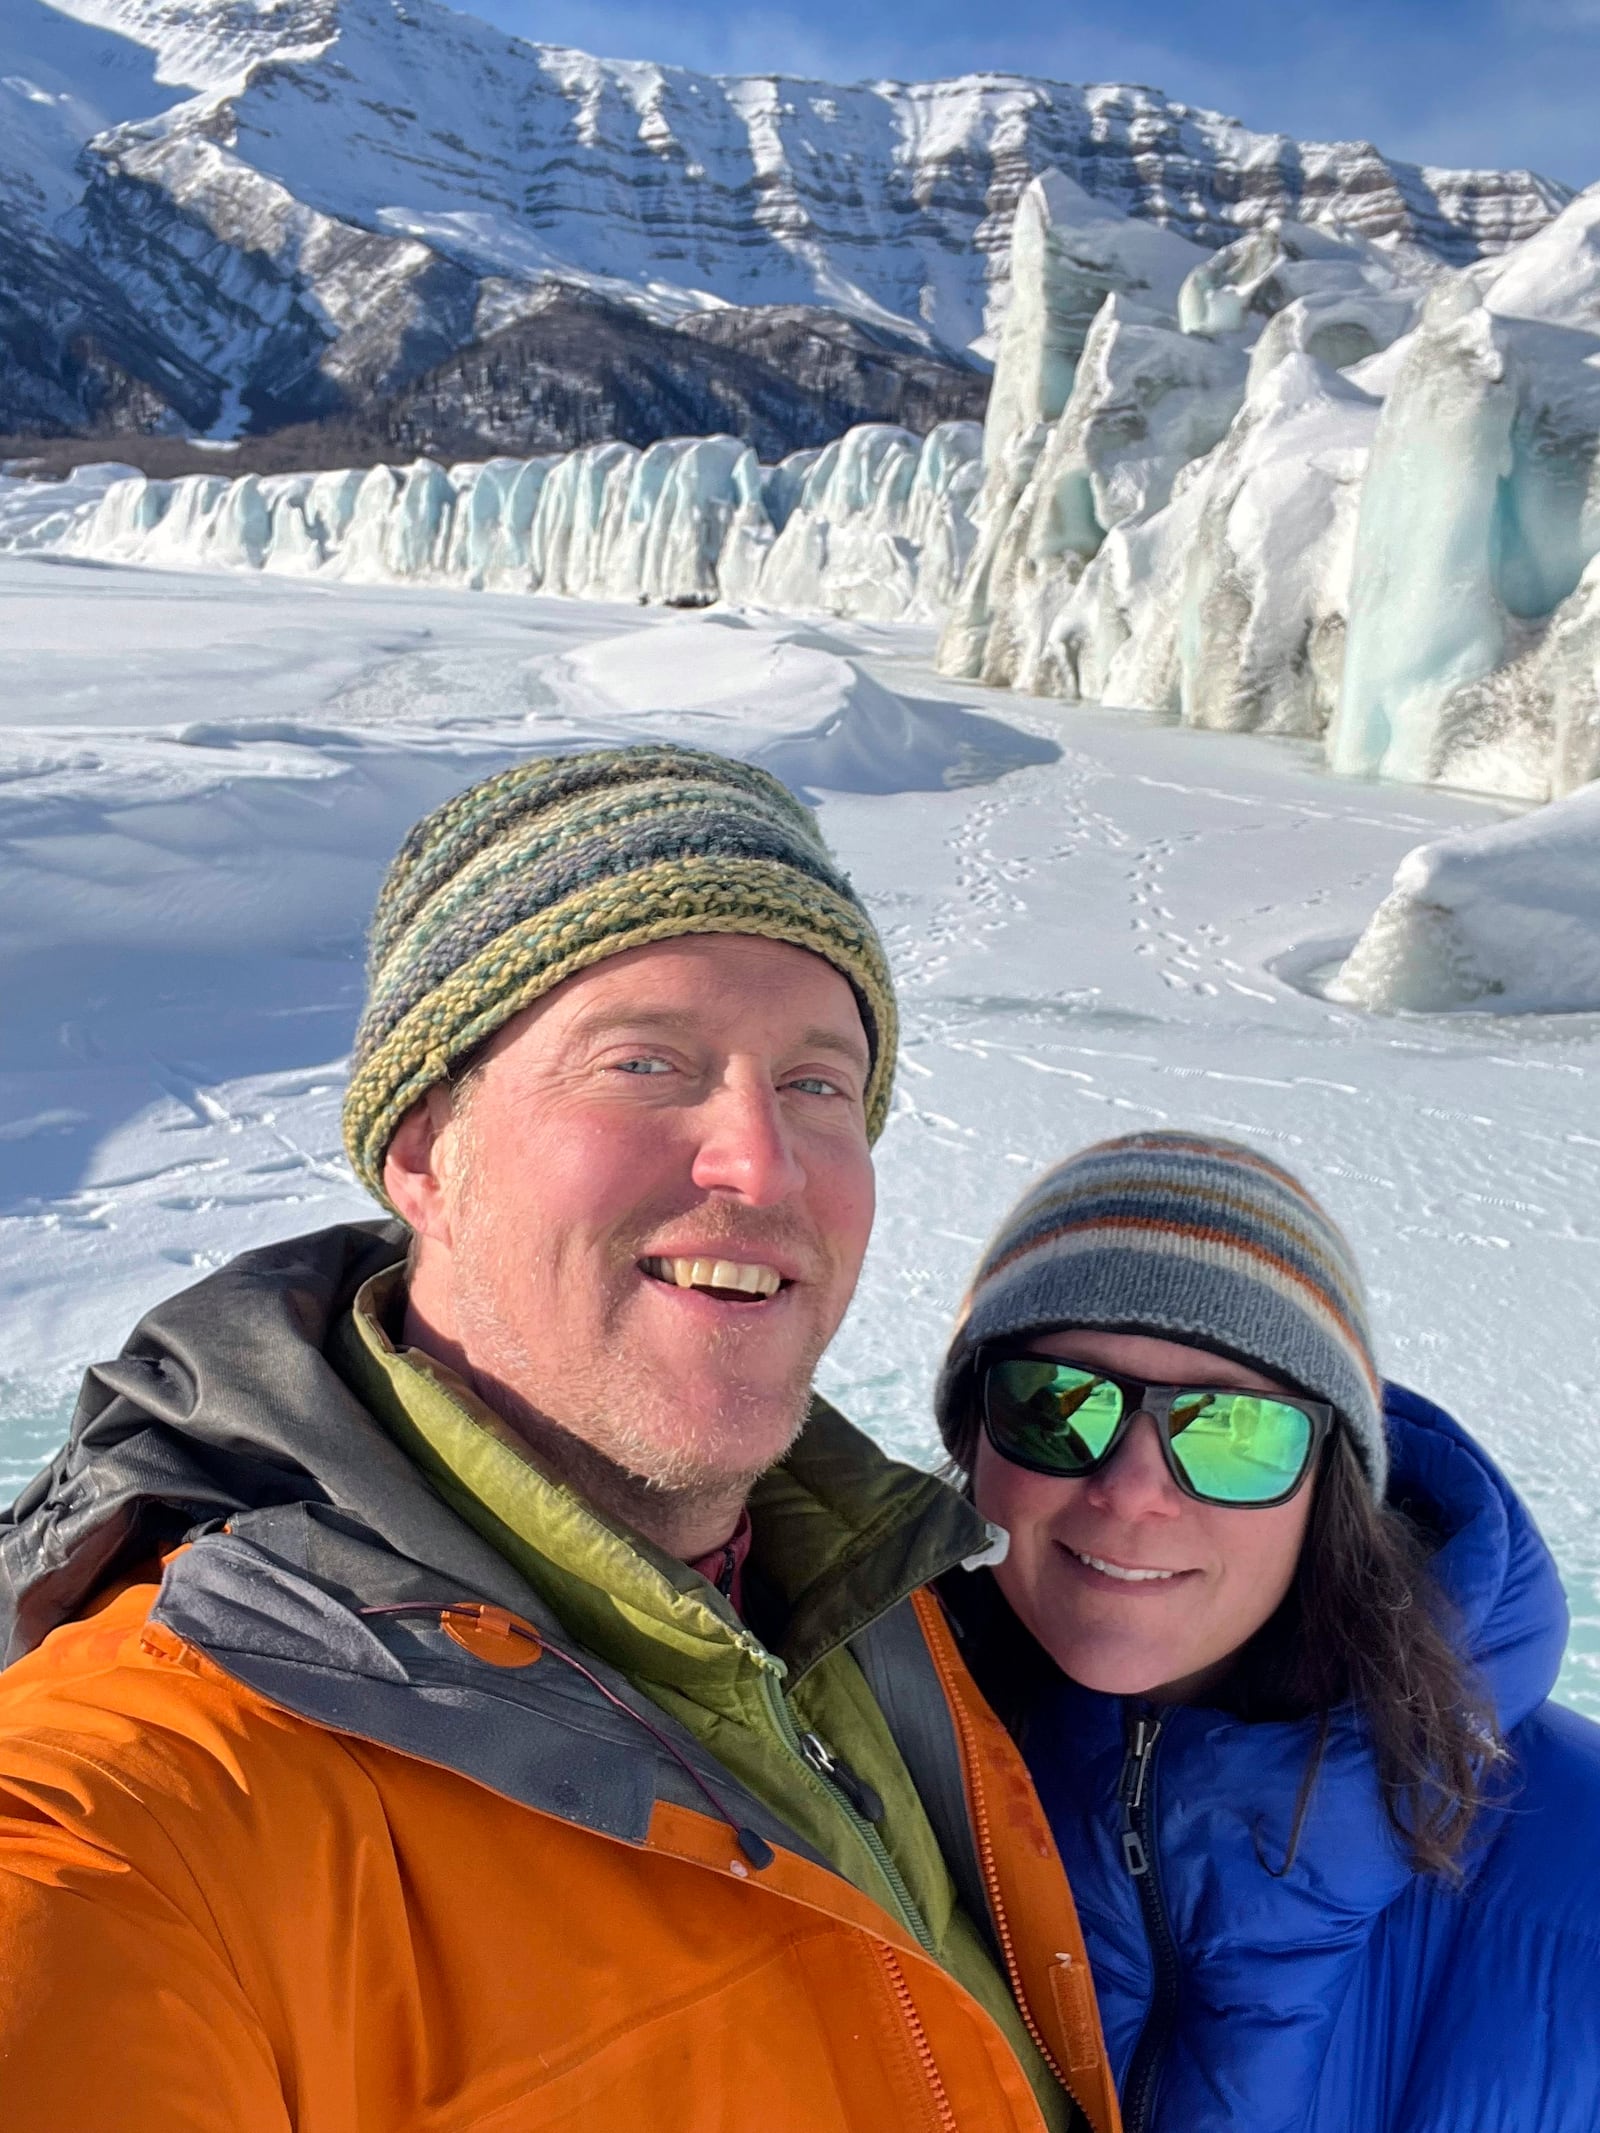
x=1103, y=922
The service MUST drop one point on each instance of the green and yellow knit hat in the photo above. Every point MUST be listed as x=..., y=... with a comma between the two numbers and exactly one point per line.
x=552, y=866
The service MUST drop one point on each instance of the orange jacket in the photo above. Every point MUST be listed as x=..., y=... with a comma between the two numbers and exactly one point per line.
x=343, y=1827
x=218, y=1913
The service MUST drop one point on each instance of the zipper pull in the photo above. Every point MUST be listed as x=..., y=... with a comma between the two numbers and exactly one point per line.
x=842, y=1778
x=1142, y=1738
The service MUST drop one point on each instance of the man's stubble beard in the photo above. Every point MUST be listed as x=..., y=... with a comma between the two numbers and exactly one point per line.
x=617, y=1438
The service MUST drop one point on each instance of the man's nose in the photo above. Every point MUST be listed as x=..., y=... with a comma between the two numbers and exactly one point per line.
x=746, y=1146
x=1134, y=1482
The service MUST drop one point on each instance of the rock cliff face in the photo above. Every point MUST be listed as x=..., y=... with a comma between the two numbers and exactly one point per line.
x=236, y=213
x=579, y=369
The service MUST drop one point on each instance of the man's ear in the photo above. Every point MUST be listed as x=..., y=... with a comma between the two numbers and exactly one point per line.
x=420, y=1167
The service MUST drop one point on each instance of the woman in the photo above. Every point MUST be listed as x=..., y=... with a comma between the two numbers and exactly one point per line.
x=1278, y=1658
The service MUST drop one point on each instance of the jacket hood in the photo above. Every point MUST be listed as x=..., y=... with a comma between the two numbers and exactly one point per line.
x=1492, y=1560
x=225, y=1402
x=221, y=1400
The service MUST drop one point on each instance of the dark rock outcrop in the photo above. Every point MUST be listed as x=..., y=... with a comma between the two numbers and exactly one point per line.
x=577, y=370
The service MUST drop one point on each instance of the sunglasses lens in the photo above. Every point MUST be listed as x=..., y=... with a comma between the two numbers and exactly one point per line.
x=1236, y=1447
x=1053, y=1417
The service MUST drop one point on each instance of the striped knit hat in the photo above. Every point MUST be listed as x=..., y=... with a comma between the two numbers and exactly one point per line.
x=1186, y=1237
x=554, y=865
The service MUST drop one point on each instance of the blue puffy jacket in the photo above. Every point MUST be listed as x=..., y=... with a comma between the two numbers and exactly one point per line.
x=1349, y=1994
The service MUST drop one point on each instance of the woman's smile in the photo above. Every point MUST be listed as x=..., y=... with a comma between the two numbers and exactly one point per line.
x=1107, y=1570
x=1132, y=1586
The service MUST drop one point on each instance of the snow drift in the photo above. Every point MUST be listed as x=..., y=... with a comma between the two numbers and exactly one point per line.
x=793, y=700
x=1505, y=920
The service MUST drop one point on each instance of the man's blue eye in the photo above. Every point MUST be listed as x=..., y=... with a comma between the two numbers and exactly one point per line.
x=643, y=1066
x=814, y=1083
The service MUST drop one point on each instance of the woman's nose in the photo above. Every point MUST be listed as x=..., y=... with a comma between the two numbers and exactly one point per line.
x=1134, y=1482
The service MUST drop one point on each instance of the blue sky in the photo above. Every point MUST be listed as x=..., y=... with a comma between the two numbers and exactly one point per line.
x=1444, y=81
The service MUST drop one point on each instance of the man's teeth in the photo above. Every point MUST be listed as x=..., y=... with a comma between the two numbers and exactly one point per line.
x=716, y=1274
x=1115, y=1570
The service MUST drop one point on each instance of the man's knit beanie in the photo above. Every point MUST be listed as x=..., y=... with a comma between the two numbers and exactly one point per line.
x=528, y=878
x=1186, y=1237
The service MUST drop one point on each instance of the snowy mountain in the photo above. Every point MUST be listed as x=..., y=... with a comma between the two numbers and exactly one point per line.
x=577, y=370
x=243, y=212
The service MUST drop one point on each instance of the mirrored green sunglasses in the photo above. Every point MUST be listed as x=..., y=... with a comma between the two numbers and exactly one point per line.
x=1247, y=1449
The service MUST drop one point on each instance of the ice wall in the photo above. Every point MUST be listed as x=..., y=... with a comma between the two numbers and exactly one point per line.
x=1323, y=487
x=1145, y=401
x=1179, y=536
x=1073, y=260
x=1070, y=252
x=878, y=524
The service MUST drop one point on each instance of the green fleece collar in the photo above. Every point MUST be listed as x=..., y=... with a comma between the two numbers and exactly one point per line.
x=841, y=1532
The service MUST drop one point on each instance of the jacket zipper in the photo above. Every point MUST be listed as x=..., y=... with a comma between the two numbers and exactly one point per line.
x=1139, y=1857
x=843, y=1785
x=943, y=2109
x=991, y=1880
x=851, y=1796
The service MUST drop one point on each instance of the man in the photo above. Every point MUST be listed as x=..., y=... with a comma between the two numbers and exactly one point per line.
x=464, y=1680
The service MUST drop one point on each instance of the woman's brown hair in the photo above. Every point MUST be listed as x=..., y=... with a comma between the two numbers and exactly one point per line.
x=1365, y=1622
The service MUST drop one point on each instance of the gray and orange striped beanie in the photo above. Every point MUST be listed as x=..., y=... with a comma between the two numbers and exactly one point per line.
x=531, y=876
x=1186, y=1237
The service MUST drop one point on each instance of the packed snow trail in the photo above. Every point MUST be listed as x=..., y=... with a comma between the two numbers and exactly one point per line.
x=1104, y=923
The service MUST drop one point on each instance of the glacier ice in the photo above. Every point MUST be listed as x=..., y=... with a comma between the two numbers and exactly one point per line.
x=1074, y=261
x=1310, y=484
x=1130, y=545
x=880, y=527
x=876, y=525
x=1145, y=400
x=1069, y=252
x=1338, y=490
x=39, y=515
x=1249, y=282
x=1479, y=514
